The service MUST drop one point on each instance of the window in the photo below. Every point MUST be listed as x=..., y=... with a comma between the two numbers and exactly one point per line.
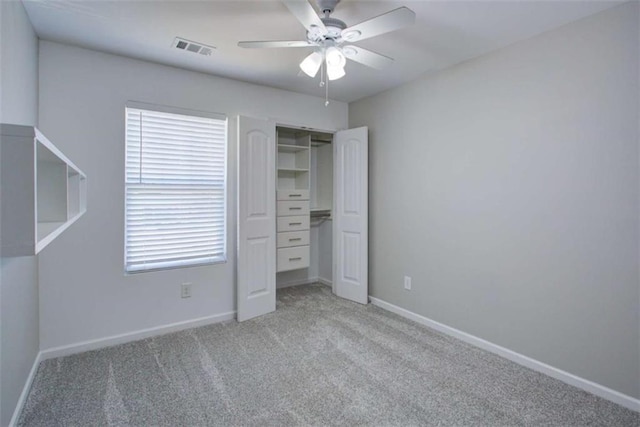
x=175, y=185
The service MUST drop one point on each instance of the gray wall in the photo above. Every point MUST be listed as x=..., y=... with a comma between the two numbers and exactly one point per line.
x=19, y=330
x=84, y=293
x=507, y=187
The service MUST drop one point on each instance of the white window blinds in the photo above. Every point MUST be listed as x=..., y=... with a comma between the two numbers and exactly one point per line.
x=175, y=190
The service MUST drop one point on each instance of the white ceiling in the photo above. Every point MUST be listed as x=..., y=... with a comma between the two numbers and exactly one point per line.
x=445, y=33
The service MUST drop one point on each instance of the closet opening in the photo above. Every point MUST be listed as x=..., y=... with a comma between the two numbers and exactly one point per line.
x=302, y=212
x=304, y=206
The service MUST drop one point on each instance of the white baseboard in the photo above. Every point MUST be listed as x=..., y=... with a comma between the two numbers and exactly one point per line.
x=325, y=282
x=80, y=347
x=25, y=390
x=306, y=281
x=571, y=379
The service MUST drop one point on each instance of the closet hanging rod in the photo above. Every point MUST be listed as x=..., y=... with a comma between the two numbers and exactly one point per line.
x=320, y=213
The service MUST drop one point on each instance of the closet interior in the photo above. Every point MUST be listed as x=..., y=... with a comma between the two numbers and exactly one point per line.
x=304, y=205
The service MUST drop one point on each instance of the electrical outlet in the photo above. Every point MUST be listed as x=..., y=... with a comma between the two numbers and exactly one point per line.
x=407, y=283
x=185, y=290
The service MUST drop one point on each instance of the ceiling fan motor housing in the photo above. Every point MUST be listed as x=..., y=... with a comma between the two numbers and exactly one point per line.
x=333, y=35
x=334, y=28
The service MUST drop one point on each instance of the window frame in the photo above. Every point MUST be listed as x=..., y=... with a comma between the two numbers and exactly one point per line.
x=186, y=112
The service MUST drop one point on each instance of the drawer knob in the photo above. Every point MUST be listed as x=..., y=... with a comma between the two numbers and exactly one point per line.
x=295, y=238
x=295, y=195
x=295, y=258
x=295, y=208
x=295, y=223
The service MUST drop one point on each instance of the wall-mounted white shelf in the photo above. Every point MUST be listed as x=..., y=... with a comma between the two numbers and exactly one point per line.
x=43, y=192
x=291, y=148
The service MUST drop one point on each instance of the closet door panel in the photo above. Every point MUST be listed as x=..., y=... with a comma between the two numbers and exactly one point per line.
x=350, y=240
x=256, y=218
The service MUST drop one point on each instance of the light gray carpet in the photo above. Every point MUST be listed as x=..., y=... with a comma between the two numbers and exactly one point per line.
x=318, y=360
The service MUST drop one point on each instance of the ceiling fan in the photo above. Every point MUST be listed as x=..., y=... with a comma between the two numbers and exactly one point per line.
x=330, y=38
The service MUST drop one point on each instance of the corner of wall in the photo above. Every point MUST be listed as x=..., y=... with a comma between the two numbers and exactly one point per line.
x=19, y=300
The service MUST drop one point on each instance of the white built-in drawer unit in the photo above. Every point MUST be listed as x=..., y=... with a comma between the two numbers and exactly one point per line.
x=293, y=223
x=293, y=258
x=294, y=207
x=293, y=194
x=293, y=238
x=293, y=190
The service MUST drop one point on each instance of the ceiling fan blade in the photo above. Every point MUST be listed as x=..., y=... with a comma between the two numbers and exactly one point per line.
x=306, y=14
x=366, y=57
x=390, y=21
x=263, y=44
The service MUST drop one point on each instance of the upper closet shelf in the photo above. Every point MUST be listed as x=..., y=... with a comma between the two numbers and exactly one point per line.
x=290, y=148
x=43, y=192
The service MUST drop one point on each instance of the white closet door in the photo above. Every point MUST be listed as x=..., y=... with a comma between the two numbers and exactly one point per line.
x=256, y=279
x=350, y=222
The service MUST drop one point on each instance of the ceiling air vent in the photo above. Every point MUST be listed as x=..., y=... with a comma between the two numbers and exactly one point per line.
x=194, y=47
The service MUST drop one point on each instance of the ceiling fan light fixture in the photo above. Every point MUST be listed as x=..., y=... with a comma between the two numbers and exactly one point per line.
x=335, y=73
x=311, y=64
x=335, y=58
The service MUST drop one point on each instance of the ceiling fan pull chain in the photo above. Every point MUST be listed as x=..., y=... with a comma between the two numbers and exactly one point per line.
x=323, y=80
x=326, y=94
